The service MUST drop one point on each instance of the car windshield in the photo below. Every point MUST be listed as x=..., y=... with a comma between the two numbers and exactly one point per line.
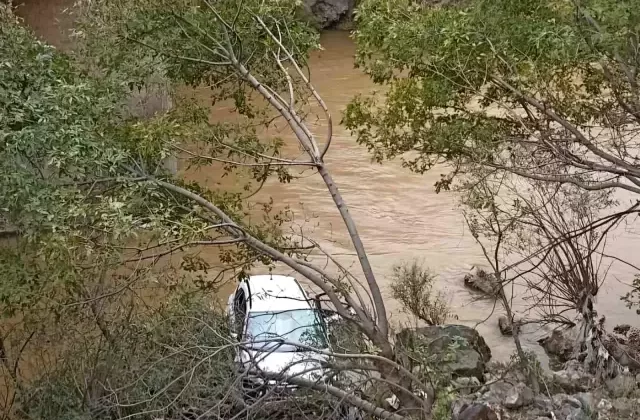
x=299, y=326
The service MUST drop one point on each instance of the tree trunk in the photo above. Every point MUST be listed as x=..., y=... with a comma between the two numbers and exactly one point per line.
x=524, y=362
x=598, y=360
x=378, y=301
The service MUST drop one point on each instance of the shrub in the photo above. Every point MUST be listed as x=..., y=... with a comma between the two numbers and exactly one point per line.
x=412, y=285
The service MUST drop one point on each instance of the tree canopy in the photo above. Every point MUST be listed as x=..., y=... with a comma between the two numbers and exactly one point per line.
x=541, y=88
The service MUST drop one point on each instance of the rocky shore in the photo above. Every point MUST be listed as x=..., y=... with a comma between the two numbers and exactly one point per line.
x=569, y=393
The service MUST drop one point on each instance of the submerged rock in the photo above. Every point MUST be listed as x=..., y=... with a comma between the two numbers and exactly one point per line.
x=505, y=325
x=483, y=281
x=559, y=344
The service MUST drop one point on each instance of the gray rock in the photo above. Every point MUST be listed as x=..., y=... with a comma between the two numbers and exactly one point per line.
x=457, y=406
x=467, y=385
x=578, y=414
x=621, y=386
x=477, y=411
x=569, y=412
x=463, y=350
x=624, y=407
x=505, y=325
x=559, y=344
x=604, y=405
x=587, y=401
x=543, y=404
x=518, y=396
x=558, y=399
x=573, y=377
x=497, y=393
x=482, y=280
x=625, y=353
x=328, y=13
x=572, y=401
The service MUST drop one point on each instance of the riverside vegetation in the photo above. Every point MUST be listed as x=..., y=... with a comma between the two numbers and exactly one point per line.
x=533, y=105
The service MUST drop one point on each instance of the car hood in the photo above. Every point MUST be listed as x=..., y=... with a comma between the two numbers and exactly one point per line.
x=289, y=363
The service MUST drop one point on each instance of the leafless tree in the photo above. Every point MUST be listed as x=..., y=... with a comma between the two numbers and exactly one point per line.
x=492, y=228
x=552, y=238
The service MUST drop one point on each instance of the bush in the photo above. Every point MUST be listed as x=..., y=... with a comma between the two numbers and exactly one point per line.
x=413, y=286
x=163, y=364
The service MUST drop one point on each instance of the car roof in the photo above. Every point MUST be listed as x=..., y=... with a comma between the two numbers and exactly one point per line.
x=270, y=293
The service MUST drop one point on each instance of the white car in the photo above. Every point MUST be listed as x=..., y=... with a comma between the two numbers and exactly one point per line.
x=276, y=323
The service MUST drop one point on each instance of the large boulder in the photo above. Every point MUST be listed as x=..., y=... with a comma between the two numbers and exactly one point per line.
x=328, y=13
x=460, y=350
x=482, y=280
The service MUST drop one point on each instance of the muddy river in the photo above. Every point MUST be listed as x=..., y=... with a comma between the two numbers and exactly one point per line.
x=399, y=215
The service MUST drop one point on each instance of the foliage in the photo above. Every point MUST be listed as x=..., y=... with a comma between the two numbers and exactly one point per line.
x=77, y=168
x=165, y=363
x=632, y=298
x=442, y=404
x=80, y=186
x=541, y=88
x=530, y=360
x=413, y=287
x=188, y=41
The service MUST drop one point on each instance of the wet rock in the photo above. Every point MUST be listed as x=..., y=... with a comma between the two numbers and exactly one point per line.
x=483, y=281
x=504, y=325
x=477, y=411
x=518, y=396
x=559, y=344
x=464, y=352
x=328, y=13
x=622, y=329
x=621, y=386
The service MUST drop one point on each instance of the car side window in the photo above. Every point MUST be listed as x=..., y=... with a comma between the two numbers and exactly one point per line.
x=240, y=306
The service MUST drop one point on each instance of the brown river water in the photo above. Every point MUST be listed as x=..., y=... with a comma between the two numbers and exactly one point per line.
x=399, y=215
